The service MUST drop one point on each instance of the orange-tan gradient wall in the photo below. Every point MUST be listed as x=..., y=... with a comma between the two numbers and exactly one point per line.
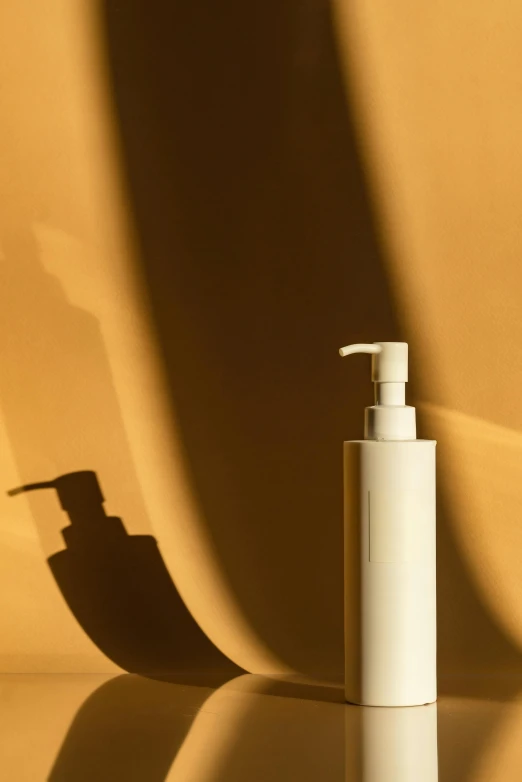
x=198, y=206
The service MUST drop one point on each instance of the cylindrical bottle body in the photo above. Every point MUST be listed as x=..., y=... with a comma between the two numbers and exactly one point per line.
x=390, y=572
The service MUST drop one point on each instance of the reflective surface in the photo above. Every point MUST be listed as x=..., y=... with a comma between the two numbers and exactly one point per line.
x=92, y=727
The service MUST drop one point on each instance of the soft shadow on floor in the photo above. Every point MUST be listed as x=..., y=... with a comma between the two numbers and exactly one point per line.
x=253, y=728
x=133, y=729
x=129, y=729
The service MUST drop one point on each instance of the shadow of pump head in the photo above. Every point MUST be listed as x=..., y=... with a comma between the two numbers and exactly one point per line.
x=81, y=497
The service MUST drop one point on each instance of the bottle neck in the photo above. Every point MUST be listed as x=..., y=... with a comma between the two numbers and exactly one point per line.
x=390, y=393
x=390, y=418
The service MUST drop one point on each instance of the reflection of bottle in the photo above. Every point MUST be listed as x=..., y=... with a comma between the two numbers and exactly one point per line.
x=390, y=594
x=392, y=745
x=119, y=590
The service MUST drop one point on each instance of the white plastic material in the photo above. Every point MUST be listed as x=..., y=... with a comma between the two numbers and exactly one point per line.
x=390, y=549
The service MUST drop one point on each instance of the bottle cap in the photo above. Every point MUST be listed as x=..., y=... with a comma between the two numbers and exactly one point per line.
x=389, y=418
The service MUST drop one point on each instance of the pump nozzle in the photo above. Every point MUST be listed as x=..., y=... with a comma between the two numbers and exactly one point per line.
x=360, y=348
x=389, y=418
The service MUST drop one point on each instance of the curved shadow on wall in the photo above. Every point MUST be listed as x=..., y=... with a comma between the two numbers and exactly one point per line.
x=60, y=408
x=261, y=257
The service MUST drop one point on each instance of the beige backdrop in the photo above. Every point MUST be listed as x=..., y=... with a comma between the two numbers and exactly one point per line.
x=198, y=206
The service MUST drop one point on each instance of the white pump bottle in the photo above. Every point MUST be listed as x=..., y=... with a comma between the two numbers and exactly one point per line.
x=390, y=546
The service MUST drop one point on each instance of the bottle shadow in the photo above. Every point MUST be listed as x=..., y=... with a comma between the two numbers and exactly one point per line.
x=56, y=380
x=120, y=591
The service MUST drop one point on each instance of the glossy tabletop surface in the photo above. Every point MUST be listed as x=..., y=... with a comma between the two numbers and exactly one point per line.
x=250, y=728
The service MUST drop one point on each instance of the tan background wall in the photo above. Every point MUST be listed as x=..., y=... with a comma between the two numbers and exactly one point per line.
x=198, y=206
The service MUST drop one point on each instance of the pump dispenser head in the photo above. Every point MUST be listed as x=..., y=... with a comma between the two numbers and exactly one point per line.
x=389, y=418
